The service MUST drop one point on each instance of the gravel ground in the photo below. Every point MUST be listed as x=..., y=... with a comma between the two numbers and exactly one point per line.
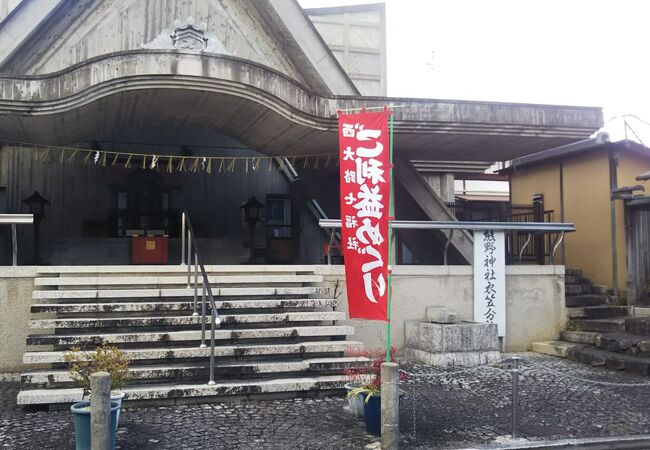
x=440, y=409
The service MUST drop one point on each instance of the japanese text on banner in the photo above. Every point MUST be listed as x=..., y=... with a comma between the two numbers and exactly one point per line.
x=365, y=195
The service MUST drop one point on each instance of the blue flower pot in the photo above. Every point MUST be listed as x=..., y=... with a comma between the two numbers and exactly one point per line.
x=81, y=412
x=372, y=413
x=117, y=398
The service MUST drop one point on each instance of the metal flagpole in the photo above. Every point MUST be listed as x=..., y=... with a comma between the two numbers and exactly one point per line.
x=391, y=217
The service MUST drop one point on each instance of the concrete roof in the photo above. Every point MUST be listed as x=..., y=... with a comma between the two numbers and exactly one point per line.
x=24, y=27
x=261, y=107
x=264, y=109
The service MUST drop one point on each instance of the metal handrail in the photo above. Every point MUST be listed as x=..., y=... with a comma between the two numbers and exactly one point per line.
x=529, y=227
x=544, y=227
x=13, y=220
x=215, y=321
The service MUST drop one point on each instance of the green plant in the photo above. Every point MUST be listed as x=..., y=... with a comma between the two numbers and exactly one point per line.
x=105, y=358
x=369, y=378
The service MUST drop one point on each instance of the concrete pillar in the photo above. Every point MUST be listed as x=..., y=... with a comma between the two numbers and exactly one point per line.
x=442, y=184
x=100, y=411
x=389, y=406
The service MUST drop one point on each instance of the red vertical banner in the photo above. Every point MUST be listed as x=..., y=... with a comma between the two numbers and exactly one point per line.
x=364, y=156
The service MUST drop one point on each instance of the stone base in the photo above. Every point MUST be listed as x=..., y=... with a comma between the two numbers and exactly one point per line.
x=452, y=359
x=440, y=314
x=451, y=338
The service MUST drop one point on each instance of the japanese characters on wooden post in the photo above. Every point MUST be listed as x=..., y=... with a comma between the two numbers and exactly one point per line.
x=490, y=279
x=365, y=194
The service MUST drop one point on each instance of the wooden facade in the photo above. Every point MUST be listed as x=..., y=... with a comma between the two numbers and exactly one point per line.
x=576, y=182
x=84, y=200
x=637, y=246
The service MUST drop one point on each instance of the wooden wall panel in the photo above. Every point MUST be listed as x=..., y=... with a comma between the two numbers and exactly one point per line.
x=638, y=255
x=79, y=193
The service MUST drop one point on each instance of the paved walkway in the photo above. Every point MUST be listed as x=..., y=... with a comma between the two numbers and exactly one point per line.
x=453, y=408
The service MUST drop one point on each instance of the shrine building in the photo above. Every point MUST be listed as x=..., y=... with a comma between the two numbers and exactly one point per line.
x=117, y=117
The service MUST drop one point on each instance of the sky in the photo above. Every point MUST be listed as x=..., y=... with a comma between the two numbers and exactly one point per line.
x=566, y=52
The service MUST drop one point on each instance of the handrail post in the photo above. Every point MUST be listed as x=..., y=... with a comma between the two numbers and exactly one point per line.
x=329, y=247
x=183, y=238
x=196, y=281
x=14, y=244
x=215, y=321
x=212, y=331
x=203, y=318
x=189, y=258
x=515, y=397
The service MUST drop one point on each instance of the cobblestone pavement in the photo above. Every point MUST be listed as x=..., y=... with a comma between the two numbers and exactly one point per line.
x=440, y=409
x=558, y=399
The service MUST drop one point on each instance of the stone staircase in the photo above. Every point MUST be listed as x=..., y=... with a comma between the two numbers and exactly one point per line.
x=279, y=332
x=600, y=332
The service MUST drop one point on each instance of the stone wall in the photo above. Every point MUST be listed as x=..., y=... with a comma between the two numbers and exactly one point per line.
x=534, y=301
x=16, y=286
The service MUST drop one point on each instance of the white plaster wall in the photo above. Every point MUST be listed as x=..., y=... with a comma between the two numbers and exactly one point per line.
x=534, y=301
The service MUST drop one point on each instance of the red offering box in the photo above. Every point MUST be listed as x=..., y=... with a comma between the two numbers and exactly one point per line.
x=149, y=250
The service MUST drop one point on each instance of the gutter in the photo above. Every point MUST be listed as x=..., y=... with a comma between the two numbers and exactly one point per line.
x=563, y=150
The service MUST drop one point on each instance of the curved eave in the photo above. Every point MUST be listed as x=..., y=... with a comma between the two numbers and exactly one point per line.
x=264, y=109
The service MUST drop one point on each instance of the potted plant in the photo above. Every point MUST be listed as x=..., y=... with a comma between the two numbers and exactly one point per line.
x=358, y=377
x=369, y=391
x=82, y=364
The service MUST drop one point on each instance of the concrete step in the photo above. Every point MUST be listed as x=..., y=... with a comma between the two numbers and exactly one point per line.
x=579, y=337
x=181, y=292
x=598, y=312
x=172, y=353
x=248, y=388
x=575, y=301
x=173, y=306
x=638, y=325
x=277, y=337
x=602, y=325
x=135, y=280
x=631, y=344
x=571, y=279
x=186, y=335
x=161, y=321
x=577, y=289
x=641, y=311
x=188, y=372
x=610, y=360
x=573, y=272
x=598, y=289
x=554, y=348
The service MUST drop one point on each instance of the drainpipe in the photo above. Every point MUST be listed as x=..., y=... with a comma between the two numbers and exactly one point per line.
x=613, y=184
